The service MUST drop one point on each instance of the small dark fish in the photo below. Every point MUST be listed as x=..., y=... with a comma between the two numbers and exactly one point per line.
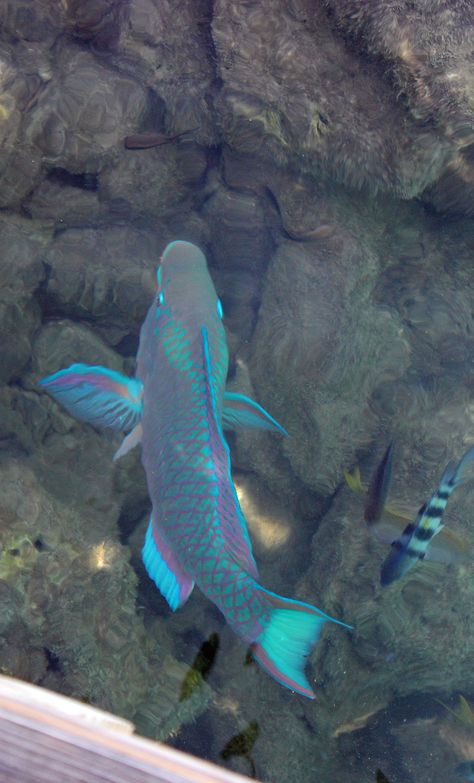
x=466, y=770
x=414, y=542
x=249, y=659
x=321, y=232
x=242, y=745
x=200, y=667
x=148, y=139
x=379, y=487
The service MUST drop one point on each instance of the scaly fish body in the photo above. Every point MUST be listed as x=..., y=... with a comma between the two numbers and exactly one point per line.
x=415, y=540
x=183, y=452
x=466, y=770
x=177, y=405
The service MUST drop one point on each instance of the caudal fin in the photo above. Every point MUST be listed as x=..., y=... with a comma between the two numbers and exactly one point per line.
x=283, y=646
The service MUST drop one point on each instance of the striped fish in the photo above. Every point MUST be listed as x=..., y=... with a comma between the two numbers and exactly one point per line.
x=178, y=407
x=414, y=543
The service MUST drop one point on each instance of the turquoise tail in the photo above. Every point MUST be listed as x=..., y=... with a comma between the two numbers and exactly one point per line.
x=283, y=646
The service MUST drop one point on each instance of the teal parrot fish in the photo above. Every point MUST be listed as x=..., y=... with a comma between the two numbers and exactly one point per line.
x=177, y=408
x=466, y=770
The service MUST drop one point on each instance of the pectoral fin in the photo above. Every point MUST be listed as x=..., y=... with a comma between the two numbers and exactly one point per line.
x=241, y=411
x=447, y=547
x=129, y=442
x=101, y=397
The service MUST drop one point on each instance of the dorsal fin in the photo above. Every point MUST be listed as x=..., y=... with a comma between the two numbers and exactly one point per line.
x=231, y=520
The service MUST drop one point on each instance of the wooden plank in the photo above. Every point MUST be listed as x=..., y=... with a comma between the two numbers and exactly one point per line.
x=48, y=738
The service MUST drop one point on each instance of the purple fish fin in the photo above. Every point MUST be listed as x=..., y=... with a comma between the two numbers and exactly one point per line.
x=291, y=630
x=447, y=547
x=129, y=442
x=163, y=567
x=237, y=540
x=240, y=411
x=232, y=521
x=101, y=397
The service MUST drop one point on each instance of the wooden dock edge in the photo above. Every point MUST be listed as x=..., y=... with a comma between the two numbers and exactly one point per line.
x=49, y=738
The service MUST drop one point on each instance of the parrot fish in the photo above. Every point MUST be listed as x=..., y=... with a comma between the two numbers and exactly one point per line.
x=414, y=543
x=177, y=408
x=466, y=770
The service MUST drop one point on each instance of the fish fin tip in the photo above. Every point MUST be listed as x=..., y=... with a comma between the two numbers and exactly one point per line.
x=448, y=548
x=241, y=411
x=282, y=648
x=129, y=442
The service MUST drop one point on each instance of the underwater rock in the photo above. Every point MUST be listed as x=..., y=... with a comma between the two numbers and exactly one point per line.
x=53, y=562
x=427, y=50
x=239, y=292
x=19, y=162
x=321, y=331
x=97, y=21
x=286, y=77
x=178, y=71
x=154, y=182
x=240, y=237
x=83, y=113
x=21, y=273
x=68, y=206
x=61, y=343
x=106, y=275
x=163, y=713
x=21, y=20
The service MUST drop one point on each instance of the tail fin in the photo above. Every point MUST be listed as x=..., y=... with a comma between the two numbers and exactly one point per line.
x=291, y=631
x=458, y=477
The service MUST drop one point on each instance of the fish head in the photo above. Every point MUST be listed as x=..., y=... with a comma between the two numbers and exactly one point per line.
x=184, y=280
x=185, y=303
x=395, y=565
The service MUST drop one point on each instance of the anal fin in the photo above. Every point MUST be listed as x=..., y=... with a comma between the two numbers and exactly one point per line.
x=163, y=567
